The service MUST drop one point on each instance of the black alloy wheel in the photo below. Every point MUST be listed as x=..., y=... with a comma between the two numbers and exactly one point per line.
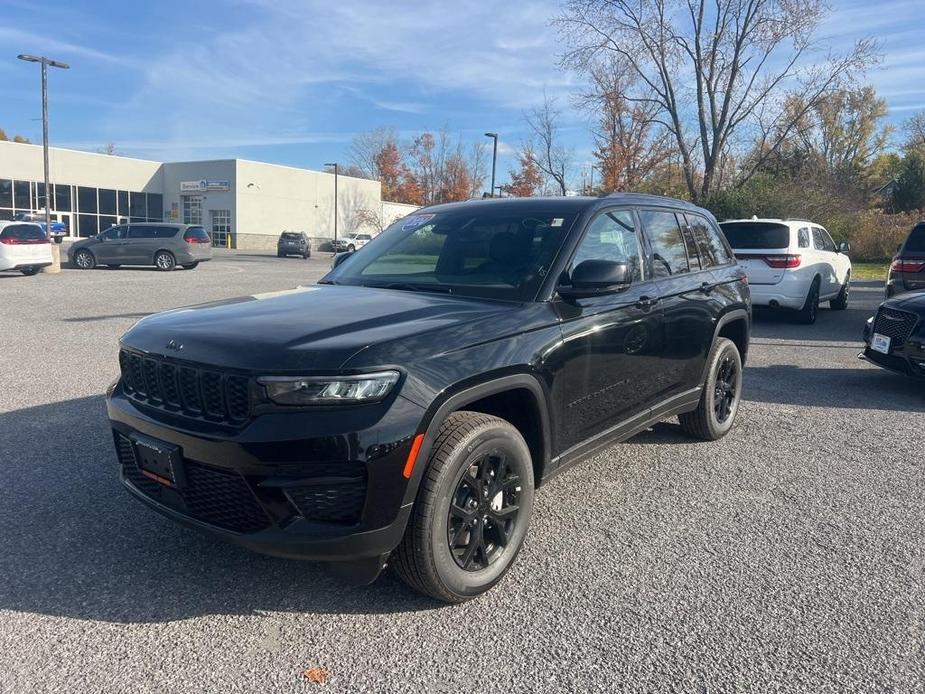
x=726, y=389
x=484, y=512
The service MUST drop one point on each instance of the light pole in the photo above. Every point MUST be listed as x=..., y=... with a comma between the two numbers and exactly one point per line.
x=55, y=251
x=334, y=246
x=494, y=159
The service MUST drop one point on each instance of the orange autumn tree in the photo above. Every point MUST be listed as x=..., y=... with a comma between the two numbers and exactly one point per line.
x=527, y=180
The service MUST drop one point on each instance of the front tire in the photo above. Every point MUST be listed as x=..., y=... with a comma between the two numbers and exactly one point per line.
x=351, y=248
x=840, y=302
x=164, y=261
x=85, y=260
x=472, y=509
x=807, y=315
x=719, y=402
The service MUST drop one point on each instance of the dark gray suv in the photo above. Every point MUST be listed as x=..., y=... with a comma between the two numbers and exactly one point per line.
x=163, y=245
x=907, y=271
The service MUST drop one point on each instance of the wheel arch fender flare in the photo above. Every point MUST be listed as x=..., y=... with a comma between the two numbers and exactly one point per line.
x=736, y=314
x=458, y=397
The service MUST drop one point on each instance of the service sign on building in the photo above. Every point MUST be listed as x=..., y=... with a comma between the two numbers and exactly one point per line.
x=204, y=185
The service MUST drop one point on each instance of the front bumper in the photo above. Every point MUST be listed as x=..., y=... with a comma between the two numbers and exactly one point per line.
x=908, y=359
x=293, y=484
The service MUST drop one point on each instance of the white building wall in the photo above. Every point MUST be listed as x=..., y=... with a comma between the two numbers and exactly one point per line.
x=393, y=211
x=71, y=167
x=274, y=198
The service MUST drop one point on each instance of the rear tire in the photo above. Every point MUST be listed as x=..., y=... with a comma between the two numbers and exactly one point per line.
x=472, y=509
x=164, y=261
x=191, y=266
x=807, y=314
x=840, y=302
x=29, y=271
x=280, y=255
x=85, y=260
x=719, y=401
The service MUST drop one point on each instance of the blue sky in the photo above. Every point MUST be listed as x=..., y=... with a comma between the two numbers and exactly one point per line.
x=292, y=81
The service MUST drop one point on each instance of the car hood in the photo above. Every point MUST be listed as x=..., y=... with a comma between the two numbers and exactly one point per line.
x=911, y=301
x=315, y=328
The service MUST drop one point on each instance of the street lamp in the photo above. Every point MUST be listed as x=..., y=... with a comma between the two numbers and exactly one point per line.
x=334, y=164
x=56, y=252
x=494, y=159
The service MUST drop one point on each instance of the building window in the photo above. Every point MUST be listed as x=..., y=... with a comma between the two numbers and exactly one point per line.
x=87, y=225
x=192, y=209
x=62, y=198
x=123, y=204
x=6, y=193
x=86, y=201
x=155, y=207
x=21, y=198
x=39, y=195
x=221, y=227
x=107, y=201
x=138, y=207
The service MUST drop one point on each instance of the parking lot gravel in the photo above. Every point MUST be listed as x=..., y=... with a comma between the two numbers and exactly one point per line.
x=787, y=557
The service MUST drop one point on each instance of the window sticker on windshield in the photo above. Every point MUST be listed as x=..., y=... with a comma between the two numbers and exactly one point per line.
x=416, y=220
x=557, y=222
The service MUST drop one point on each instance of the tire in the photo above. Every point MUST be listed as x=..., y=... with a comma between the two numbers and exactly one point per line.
x=350, y=248
x=30, y=271
x=85, y=260
x=711, y=421
x=306, y=255
x=280, y=255
x=164, y=261
x=840, y=302
x=807, y=314
x=465, y=458
x=191, y=266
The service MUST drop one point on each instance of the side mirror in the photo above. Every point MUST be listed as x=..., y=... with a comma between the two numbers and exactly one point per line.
x=340, y=257
x=596, y=278
x=844, y=247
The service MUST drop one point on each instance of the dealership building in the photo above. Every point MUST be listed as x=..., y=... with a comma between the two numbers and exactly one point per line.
x=242, y=204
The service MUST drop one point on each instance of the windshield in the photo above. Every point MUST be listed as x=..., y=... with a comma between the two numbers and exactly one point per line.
x=493, y=251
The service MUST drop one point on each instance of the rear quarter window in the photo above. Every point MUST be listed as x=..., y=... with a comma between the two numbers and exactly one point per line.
x=916, y=241
x=166, y=232
x=749, y=235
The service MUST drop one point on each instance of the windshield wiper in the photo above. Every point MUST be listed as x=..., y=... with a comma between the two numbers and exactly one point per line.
x=411, y=287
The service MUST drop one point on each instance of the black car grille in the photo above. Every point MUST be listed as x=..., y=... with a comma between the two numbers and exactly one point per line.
x=218, y=497
x=896, y=325
x=185, y=389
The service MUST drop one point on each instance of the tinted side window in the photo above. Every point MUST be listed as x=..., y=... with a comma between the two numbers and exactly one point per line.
x=165, y=232
x=669, y=256
x=693, y=256
x=916, y=241
x=829, y=243
x=141, y=232
x=822, y=241
x=612, y=236
x=114, y=233
x=803, y=238
x=709, y=241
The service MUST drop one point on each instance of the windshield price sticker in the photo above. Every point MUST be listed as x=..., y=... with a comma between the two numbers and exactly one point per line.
x=416, y=220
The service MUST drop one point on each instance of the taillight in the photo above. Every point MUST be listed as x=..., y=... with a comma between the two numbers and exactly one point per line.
x=23, y=242
x=195, y=239
x=783, y=262
x=900, y=265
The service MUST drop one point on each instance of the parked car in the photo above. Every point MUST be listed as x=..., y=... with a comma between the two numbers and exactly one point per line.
x=895, y=337
x=410, y=403
x=907, y=271
x=163, y=245
x=339, y=245
x=293, y=243
x=24, y=246
x=791, y=264
x=357, y=241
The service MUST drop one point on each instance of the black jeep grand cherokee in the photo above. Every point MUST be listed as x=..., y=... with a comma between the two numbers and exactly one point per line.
x=409, y=403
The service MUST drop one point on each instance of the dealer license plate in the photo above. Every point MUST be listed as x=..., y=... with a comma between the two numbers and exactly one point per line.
x=880, y=343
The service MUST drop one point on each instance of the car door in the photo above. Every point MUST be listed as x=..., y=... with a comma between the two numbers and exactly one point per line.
x=111, y=248
x=827, y=261
x=139, y=248
x=685, y=289
x=611, y=351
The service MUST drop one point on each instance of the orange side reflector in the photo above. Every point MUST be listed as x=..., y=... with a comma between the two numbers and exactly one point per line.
x=413, y=456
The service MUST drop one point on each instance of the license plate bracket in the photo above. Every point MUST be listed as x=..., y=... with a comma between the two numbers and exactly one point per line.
x=159, y=460
x=880, y=343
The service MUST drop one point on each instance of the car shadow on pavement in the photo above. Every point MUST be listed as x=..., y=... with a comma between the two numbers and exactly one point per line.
x=76, y=544
x=867, y=388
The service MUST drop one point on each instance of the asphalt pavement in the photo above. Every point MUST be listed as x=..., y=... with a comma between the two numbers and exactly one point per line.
x=787, y=557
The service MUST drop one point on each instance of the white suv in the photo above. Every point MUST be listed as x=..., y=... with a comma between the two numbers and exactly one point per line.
x=24, y=247
x=356, y=241
x=791, y=264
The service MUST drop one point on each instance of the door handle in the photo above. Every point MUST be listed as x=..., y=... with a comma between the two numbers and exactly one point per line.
x=646, y=302
x=706, y=287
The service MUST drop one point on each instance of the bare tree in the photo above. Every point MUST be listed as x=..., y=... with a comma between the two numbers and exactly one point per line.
x=914, y=130
x=552, y=157
x=716, y=71
x=110, y=149
x=366, y=147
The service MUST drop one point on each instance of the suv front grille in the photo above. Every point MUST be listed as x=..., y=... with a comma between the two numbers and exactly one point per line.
x=218, y=497
x=896, y=325
x=185, y=389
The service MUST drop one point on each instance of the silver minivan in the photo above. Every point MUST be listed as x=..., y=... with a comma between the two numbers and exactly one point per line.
x=161, y=244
